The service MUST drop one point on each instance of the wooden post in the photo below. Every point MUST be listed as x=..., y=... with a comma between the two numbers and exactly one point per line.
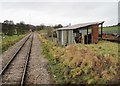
x=87, y=35
x=83, y=39
x=52, y=36
x=101, y=30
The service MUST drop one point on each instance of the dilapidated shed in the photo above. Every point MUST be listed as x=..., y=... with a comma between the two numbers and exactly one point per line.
x=85, y=33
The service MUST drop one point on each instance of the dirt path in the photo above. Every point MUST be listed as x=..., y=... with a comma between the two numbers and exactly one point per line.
x=37, y=71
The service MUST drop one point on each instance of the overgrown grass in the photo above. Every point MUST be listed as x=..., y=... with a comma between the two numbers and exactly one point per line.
x=105, y=48
x=8, y=41
x=54, y=66
x=87, y=64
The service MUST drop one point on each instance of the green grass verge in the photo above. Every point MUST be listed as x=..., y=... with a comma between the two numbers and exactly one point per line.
x=8, y=41
x=54, y=66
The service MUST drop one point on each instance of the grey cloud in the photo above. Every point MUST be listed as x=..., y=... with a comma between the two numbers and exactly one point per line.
x=62, y=12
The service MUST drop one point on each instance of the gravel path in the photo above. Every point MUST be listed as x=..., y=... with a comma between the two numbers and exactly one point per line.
x=14, y=72
x=37, y=71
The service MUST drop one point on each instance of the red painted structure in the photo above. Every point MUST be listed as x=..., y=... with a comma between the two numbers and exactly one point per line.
x=95, y=33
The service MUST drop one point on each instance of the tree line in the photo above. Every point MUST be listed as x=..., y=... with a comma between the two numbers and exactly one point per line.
x=9, y=28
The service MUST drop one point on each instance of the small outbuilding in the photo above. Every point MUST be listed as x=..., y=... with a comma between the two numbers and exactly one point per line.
x=85, y=33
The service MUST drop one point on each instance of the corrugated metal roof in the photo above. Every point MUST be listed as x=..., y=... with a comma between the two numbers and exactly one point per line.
x=80, y=25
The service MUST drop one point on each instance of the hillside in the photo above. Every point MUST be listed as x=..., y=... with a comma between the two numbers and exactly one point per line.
x=111, y=30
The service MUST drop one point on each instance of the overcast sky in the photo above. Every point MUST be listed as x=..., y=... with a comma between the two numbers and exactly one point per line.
x=51, y=13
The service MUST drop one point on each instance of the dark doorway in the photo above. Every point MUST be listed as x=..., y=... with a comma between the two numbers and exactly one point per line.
x=89, y=39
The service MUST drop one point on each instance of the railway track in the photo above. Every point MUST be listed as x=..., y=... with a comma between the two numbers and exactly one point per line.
x=14, y=72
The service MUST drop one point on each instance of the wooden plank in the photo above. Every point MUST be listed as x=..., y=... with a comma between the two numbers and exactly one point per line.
x=101, y=30
x=87, y=35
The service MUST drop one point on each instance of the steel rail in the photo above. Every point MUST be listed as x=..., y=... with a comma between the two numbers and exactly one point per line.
x=26, y=64
x=14, y=55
